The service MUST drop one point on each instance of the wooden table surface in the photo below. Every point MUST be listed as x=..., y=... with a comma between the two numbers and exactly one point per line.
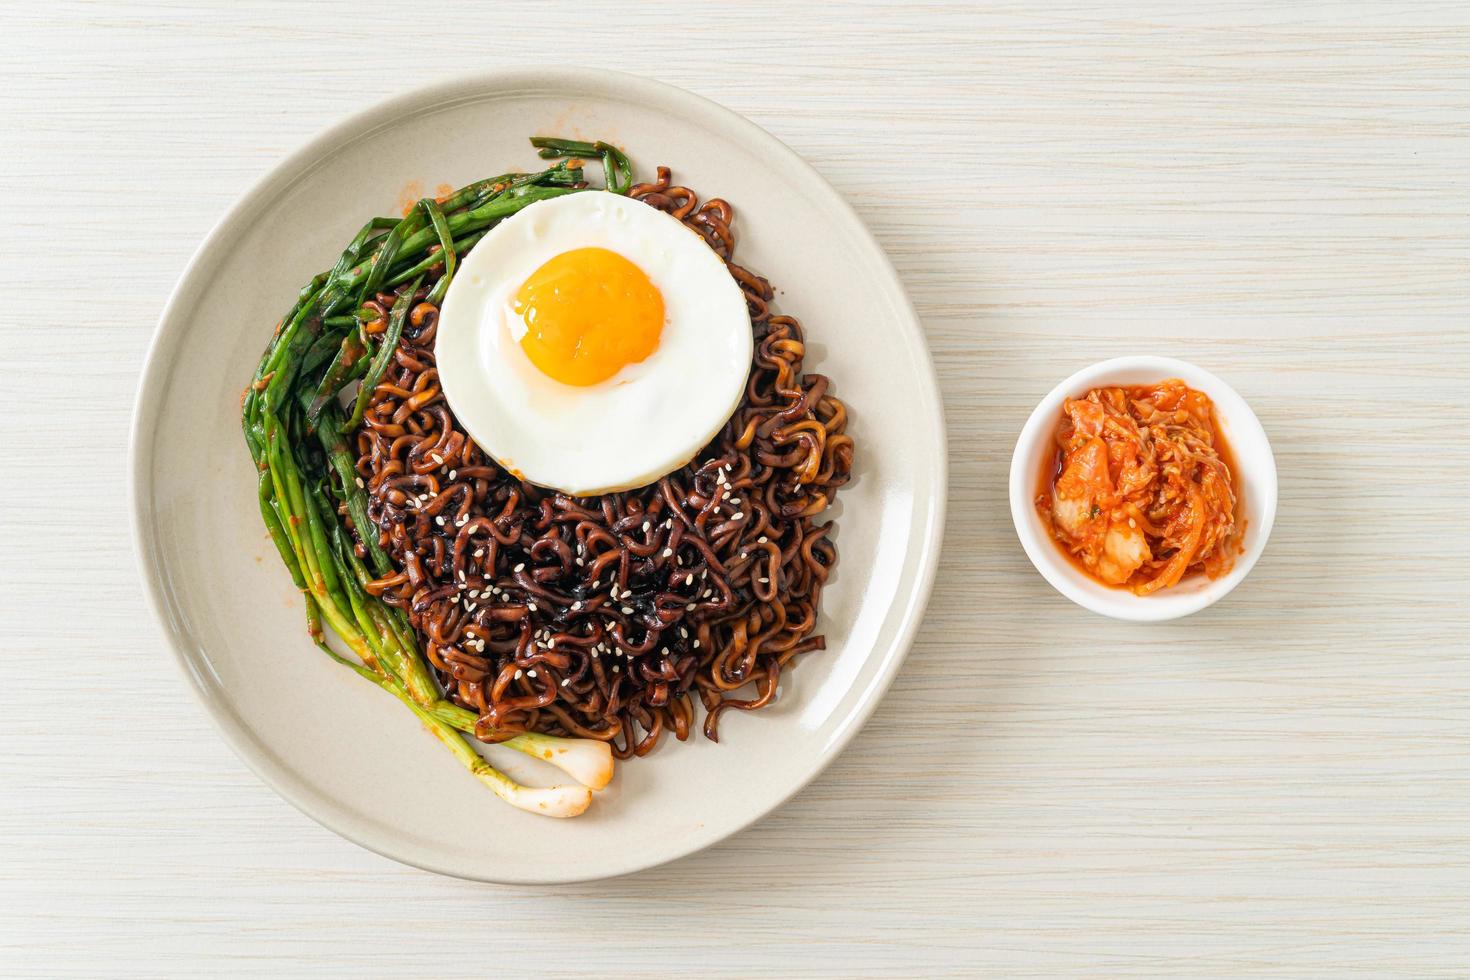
x=1279, y=786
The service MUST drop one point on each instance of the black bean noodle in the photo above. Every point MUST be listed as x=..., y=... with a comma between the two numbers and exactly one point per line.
x=604, y=617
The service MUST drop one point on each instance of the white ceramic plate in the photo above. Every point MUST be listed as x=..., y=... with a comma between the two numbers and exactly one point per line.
x=342, y=750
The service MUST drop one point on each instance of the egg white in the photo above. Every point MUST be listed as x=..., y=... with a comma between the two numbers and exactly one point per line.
x=628, y=431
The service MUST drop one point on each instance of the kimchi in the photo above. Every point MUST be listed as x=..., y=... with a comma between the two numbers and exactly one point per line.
x=1140, y=491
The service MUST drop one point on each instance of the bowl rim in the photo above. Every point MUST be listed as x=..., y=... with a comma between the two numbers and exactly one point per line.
x=909, y=605
x=1248, y=441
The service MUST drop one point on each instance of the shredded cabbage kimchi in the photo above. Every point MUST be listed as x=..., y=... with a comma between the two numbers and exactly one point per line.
x=1140, y=492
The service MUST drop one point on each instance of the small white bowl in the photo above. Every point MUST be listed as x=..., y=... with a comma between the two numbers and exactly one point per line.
x=1256, y=478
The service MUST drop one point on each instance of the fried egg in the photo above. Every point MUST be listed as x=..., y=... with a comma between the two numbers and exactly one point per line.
x=592, y=343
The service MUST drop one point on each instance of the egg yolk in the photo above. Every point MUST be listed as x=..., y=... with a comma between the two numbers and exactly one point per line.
x=588, y=314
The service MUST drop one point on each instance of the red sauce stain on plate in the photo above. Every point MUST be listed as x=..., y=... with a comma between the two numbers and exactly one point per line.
x=411, y=194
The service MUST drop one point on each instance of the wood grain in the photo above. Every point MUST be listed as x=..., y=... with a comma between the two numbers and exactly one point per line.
x=1276, y=787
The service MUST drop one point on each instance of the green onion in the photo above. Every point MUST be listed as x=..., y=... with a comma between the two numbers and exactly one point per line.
x=446, y=249
x=298, y=438
x=616, y=170
x=396, y=318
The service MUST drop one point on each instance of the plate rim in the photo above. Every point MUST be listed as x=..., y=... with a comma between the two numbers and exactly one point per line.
x=157, y=365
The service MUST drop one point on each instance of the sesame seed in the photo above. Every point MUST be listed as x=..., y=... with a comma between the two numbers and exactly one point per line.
x=627, y=610
x=689, y=579
x=683, y=633
x=738, y=515
x=519, y=568
x=439, y=520
x=689, y=607
x=764, y=581
x=360, y=484
x=531, y=673
x=518, y=675
x=580, y=562
x=453, y=474
x=577, y=605
x=616, y=668
x=566, y=681
x=736, y=501
x=531, y=606
x=694, y=645
x=668, y=552
x=437, y=458
x=647, y=525
x=479, y=553
x=627, y=593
